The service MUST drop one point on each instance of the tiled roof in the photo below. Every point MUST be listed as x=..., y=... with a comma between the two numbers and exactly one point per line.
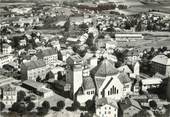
x=162, y=59
x=99, y=82
x=46, y=52
x=125, y=69
x=34, y=64
x=105, y=68
x=124, y=78
x=76, y=58
x=88, y=83
x=125, y=104
x=103, y=101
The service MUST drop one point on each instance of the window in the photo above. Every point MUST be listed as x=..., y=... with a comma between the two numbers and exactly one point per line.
x=105, y=108
x=109, y=112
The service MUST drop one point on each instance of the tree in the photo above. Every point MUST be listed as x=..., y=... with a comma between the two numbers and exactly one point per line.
x=30, y=106
x=2, y=106
x=19, y=107
x=75, y=105
x=21, y=95
x=153, y=104
x=90, y=105
x=60, y=104
x=90, y=39
x=42, y=111
x=46, y=104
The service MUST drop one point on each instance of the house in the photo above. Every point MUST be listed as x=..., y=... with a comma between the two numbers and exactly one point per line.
x=109, y=82
x=128, y=107
x=160, y=64
x=49, y=55
x=65, y=53
x=6, y=49
x=5, y=59
x=9, y=95
x=150, y=83
x=106, y=107
x=33, y=69
x=73, y=60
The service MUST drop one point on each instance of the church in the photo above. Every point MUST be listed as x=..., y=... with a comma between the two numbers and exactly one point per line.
x=102, y=81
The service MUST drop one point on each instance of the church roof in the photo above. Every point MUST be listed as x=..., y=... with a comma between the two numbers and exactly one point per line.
x=99, y=82
x=124, y=78
x=105, y=68
x=88, y=83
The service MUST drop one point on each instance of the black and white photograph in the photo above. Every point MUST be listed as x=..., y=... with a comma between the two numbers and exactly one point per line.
x=84, y=58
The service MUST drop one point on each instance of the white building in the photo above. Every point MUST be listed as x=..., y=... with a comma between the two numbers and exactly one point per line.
x=49, y=55
x=9, y=95
x=5, y=59
x=106, y=107
x=33, y=69
x=6, y=49
x=151, y=83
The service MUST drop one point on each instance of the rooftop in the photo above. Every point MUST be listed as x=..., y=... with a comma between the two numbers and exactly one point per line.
x=105, y=68
x=103, y=101
x=125, y=104
x=34, y=64
x=88, y=83
x=161, y=59
x=33, y=84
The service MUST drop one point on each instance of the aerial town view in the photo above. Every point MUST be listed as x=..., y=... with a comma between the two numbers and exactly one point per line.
x=84, y=58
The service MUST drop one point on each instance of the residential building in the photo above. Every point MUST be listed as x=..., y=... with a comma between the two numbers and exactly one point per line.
x=5, y=59
x=33, y=69
x=6, y=49
x=160, y=64
x=9, y=95
x=150, y=83
x=128, y=108
x=49, y=55
x=106, y=107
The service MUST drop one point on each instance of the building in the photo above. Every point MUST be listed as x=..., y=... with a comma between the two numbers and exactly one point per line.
x=110, y=82
x=125, y=37
x=128, y=108
x=87, y=90
x=49, y=55
x=150, y=83
x=74, y=77
x=161, y=64
x=37, y=88
x=73, y=60
x=5, y=59
x=106, y=107
x=4, y=80
x=9, y=95
x=6, y=49
x=33, y=69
